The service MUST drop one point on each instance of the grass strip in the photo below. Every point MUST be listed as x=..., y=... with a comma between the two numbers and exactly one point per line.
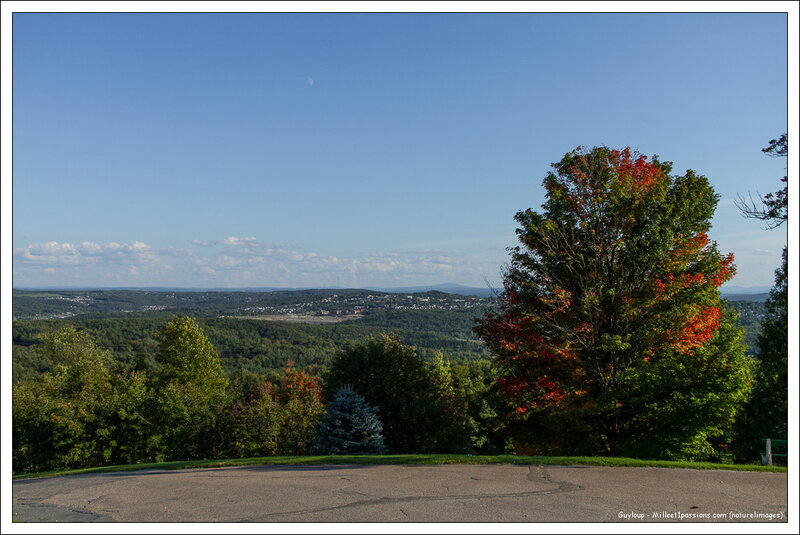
x=411, y=460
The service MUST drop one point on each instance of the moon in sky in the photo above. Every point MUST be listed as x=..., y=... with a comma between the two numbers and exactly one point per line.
x=310, y=81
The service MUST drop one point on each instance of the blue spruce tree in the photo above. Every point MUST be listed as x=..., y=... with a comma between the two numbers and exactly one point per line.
x=351, y=427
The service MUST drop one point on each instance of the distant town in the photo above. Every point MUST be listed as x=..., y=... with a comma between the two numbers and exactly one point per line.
x=61, y=304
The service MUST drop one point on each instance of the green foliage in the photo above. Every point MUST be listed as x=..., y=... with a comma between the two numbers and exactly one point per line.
x=682, y=407
x=190, y=389
x=27, y=364
x=33, y=448
x=130, y=412
x=473, y=383
x=78, y=363
x=351, y=427
x=767, y=413
x=89, y=411
x=751, y=315
x=80, y=414
x=302, y=409
x=186, y=355
x=259, y=346
x=417, y=411
x=253, y=425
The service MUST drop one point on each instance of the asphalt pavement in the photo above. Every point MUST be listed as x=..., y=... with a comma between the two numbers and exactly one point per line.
x=416, y=493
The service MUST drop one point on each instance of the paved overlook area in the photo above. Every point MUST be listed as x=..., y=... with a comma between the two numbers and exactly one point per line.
x=443, y=493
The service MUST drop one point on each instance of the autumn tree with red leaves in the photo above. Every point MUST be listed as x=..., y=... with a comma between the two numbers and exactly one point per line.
x=610, y=333
x=302, y=408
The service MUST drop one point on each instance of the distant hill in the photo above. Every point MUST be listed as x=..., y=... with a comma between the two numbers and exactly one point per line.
x=756, y=298
x=449, y=288
x=215, y=303
x=727, y=290
x=732, y=293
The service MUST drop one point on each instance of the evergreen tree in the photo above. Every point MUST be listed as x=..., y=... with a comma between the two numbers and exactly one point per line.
x=351, y=427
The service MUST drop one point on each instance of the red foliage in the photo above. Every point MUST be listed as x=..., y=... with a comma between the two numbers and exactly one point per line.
x=297, y=384
x=726, y=270
x=698, y=329
x=634, y=169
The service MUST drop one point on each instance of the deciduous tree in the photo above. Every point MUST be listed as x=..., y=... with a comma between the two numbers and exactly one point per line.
x=615, y=275
x=774, y=206
x=299, y=395
x=83, y=413
x=190, y=390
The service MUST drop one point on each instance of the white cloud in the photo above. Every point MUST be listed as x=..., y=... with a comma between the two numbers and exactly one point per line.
x=90, y=248
x=87, y=252
x=51, y=252
x=246, y=242
x=138, y=246
x=229, y=261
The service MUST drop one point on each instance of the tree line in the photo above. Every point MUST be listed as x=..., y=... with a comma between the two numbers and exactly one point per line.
x=92, y=410
x=266, y=346
x=256, y=345
x=610, y=337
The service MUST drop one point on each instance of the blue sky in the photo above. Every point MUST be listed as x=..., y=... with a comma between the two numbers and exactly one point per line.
x=236, y=150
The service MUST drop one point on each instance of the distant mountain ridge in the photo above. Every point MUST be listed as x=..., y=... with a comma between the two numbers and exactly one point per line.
x=743, y=293
x=744, y=290
x=755, y=298
x=449, y=288
x=733, y=293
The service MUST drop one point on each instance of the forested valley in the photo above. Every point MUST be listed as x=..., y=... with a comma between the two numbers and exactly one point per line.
x=609, y=337
x=266, y=345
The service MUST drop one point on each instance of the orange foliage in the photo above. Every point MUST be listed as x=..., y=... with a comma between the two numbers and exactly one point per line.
x=698, y=329
x=634, y=169
x=297, y=384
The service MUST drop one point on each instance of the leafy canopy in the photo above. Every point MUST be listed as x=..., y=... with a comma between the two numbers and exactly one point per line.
x=615, y=273
x=415, y=402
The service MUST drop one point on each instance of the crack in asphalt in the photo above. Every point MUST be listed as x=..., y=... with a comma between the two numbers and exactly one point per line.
x=47, y=512
x=561, y=487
